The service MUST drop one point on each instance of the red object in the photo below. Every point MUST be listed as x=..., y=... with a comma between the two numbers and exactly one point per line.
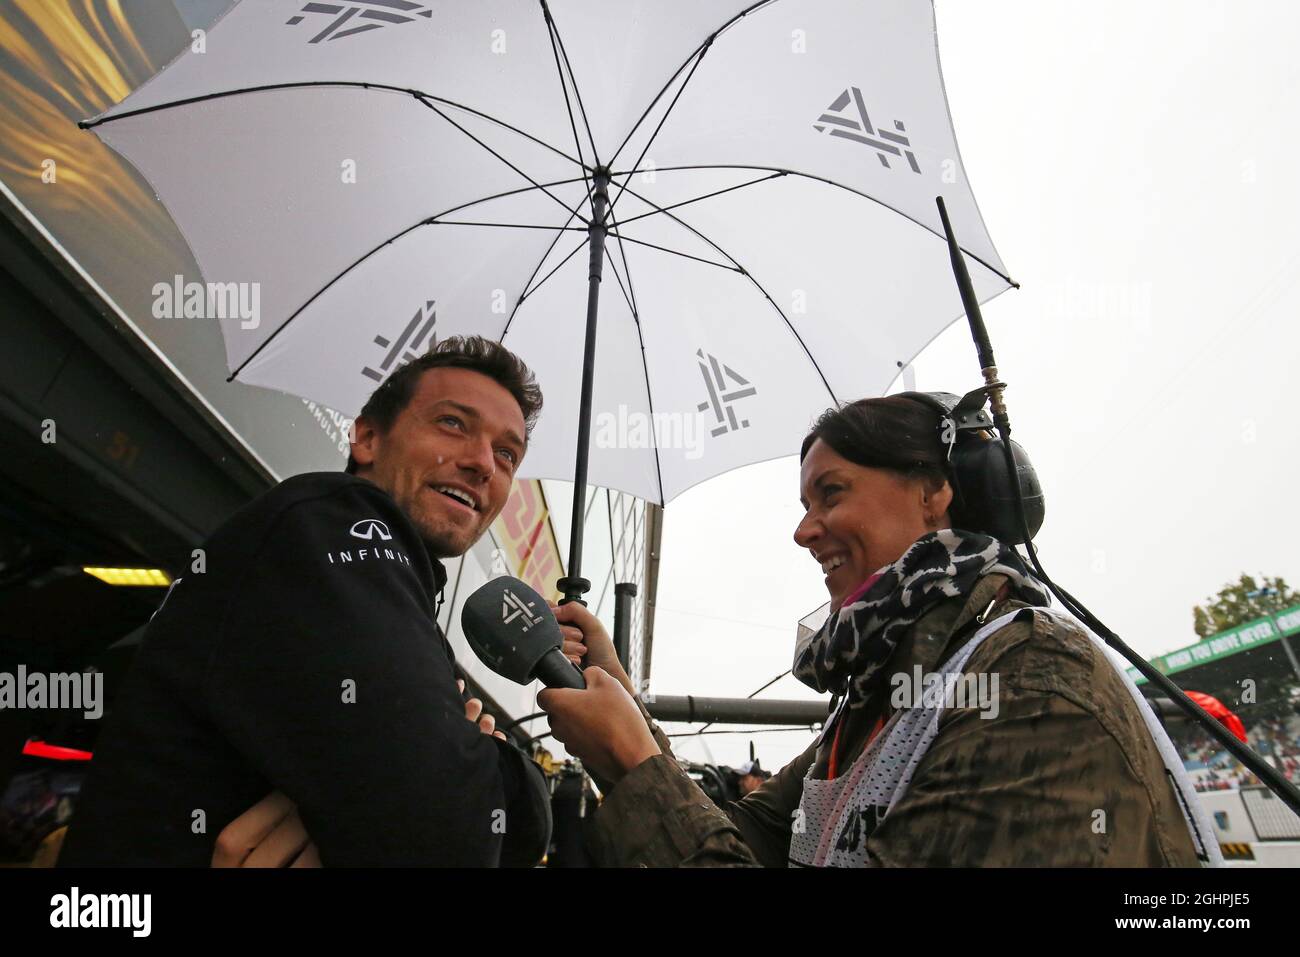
x=859, y=591
x=1217, y=709
x=833, y=771
x=39, y=749
x=835, y=753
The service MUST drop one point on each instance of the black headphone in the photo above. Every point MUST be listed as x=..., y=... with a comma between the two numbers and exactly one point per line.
x=983, y=500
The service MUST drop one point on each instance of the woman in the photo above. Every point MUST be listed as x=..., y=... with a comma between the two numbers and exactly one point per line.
x=1041, y=755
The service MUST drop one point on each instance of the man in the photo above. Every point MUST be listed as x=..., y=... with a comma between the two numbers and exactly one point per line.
x=305, y=657
x=750, y=776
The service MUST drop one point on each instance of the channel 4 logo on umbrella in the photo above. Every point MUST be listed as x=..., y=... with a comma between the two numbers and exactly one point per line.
x=848, y=118
x=409, y=345
x=721, y=401
x=364, y=16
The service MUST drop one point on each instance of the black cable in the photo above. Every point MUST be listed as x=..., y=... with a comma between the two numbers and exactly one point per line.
x=518, y=721
x=752, y=694
x=1253, y=762
x=691, y=734
x=770, y=683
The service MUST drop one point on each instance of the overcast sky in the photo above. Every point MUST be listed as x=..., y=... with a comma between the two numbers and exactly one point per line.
x=1136, y=167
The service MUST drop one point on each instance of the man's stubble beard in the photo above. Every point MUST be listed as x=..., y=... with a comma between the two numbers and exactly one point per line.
x=440, y=538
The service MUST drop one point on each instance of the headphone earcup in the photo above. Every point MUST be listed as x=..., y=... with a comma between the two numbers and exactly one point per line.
x=985, y=502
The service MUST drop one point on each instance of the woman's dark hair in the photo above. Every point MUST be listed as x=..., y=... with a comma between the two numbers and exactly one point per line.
x=455, y=352
x=885, y=433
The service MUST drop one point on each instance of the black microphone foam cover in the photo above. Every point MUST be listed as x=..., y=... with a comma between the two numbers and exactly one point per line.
x=513, y=630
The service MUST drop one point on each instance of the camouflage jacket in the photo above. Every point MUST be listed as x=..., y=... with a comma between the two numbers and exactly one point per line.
x=1065, y=774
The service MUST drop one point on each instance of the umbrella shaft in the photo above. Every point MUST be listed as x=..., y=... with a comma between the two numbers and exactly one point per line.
x=573, y=585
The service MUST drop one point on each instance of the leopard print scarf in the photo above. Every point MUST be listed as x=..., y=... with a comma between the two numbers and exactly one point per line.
x=849, y=653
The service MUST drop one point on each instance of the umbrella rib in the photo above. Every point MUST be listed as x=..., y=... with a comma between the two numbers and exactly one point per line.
x=645, y=366
x=757, y=285
x=678, y=252
x=430, y=105
x=822, y=179
x=662, y=120
x=305, y=84
x=573, y=81
x=536, y=269
x=428, y=221
x=470, y=222
x=623, y=289
x=528, y=292
x=627, y=268
x=717, y=192
x=707, y=42
x=564, y=88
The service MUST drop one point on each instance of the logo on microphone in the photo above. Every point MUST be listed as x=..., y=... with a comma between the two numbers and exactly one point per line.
x=370, y=528
x=512, y=607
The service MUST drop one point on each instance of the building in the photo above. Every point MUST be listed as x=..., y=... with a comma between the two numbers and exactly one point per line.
x=125, y=444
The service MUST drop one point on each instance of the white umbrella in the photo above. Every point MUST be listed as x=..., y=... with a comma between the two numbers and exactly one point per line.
x=759, y=179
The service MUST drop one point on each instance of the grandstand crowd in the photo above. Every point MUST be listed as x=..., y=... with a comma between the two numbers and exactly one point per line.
x=1274, y=736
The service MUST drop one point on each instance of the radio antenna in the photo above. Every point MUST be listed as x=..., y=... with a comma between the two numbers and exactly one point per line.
x=1276, y=782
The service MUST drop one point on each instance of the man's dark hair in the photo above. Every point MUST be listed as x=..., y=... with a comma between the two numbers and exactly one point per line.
x=455, y=352
x=885, y=433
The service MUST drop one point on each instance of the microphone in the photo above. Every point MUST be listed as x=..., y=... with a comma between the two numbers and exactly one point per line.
x=513, y=632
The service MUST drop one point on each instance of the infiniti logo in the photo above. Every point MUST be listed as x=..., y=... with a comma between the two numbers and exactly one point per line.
x=369, y=528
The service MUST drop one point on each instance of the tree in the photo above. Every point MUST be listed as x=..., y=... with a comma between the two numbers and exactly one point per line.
x=1232, y=606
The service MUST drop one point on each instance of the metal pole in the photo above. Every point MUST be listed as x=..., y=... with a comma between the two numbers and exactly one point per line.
x=573, y=585
x=665, y=707
x=624, y=592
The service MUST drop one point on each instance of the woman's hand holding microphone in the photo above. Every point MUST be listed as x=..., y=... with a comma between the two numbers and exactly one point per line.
x=602, y=724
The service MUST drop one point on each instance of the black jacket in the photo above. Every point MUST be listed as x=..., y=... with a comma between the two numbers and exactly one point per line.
x=305, y=656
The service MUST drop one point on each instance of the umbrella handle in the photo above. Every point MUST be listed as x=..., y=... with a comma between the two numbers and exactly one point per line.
x=573, y=585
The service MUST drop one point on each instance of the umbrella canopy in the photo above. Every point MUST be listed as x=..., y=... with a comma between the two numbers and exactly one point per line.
x=377, y=174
